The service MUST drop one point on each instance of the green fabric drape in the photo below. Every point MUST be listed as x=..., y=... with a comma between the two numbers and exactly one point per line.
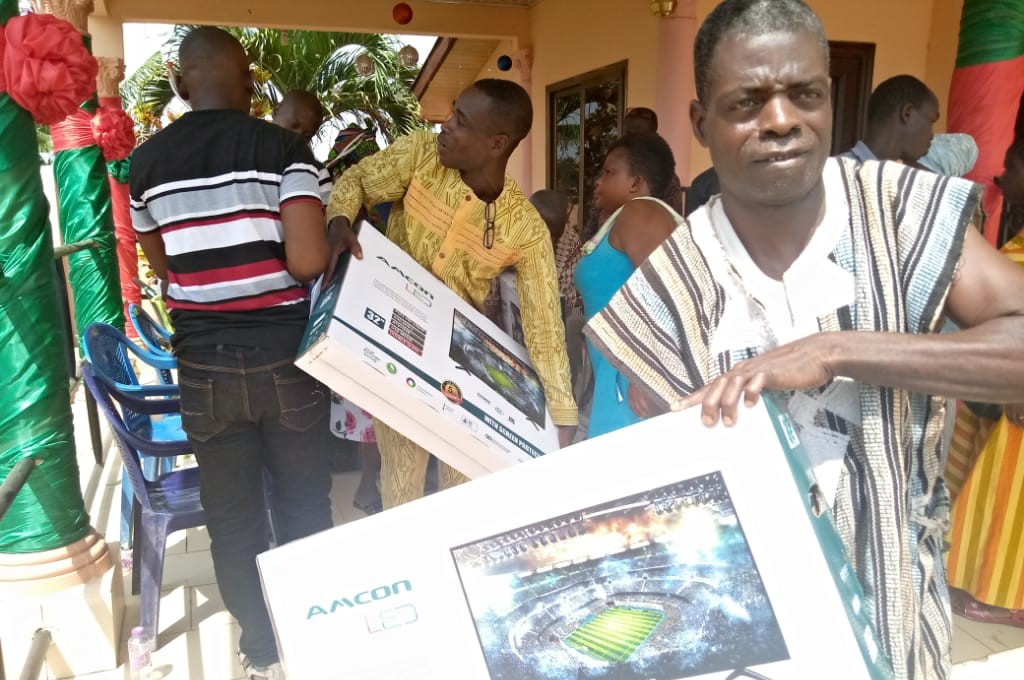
x=83, y=202
x=990, y=31
x=35, y=408
x=119, y=169
x=985, y=91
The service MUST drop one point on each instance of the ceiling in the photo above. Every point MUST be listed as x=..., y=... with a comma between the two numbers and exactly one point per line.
x=453, y=65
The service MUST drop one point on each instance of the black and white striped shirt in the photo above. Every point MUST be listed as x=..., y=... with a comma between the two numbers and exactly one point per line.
x=213, y=184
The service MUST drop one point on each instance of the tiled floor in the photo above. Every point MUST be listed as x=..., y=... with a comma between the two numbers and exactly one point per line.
x=198, y=638
x=987, y=651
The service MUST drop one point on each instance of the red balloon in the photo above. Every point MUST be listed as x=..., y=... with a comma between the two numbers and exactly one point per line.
x=402, y=13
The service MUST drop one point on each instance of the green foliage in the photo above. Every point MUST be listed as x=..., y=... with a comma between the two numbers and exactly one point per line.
x=145, y=94
x=43, y=138
x=310, y=60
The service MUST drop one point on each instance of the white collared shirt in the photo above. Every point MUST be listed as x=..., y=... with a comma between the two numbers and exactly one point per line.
x=764, y=313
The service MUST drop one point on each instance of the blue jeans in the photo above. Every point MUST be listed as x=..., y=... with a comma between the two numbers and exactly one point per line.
x=245, y=410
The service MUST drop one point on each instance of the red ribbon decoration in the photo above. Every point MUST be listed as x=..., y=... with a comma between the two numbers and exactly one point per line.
x=3, y=46
x=114, y=132
x=74, y=132
x=47, y=69
x=110, y=129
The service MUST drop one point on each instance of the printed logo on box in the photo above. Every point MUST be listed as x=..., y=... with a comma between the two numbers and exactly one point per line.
x=361, y=598
x=387, y=619
x=497, y=442
x=787, y=429
x=418, y=291
x=392, y=369
x=469, y=422
x=452, y=391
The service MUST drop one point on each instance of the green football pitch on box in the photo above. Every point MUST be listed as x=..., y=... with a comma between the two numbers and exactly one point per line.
x=613, y=635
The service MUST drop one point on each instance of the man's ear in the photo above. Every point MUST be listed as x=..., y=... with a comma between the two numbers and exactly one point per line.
x=501, y=144
x=250, y=84
x=180, y=88
x=698, y=121
x=905, y=112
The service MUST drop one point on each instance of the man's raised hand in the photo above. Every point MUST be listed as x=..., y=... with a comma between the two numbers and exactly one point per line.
x=799, y=365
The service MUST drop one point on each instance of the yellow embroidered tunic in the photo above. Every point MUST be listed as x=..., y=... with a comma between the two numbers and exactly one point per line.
x=438, y=220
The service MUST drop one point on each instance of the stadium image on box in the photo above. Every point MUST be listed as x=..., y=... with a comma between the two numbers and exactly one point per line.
x=658, y=585
x=474, y=351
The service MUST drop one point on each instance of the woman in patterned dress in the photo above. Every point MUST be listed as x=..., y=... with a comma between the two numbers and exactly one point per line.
x=985, y=565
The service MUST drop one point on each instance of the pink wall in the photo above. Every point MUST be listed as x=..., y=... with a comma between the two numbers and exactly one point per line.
x=571, y=37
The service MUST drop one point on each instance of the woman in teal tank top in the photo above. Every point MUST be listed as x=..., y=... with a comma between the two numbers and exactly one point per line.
x=636, y=174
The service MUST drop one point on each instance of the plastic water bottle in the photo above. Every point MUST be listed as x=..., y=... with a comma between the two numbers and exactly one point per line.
x=140, y=654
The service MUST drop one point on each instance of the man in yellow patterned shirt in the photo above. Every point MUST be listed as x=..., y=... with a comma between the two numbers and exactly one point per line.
x=458, y=213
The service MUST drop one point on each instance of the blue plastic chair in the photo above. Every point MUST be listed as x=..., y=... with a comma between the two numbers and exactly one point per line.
x=169, y=503
x=109, y=352
x=155, y=337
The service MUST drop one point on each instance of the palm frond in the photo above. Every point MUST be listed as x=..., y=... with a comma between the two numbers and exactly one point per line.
x=320, y=62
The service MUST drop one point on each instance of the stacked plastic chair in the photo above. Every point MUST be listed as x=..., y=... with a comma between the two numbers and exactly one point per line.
x=155, y=337
x=110, y=353
x=166, y=504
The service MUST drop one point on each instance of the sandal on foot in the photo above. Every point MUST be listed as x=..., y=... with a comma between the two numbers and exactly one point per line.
x=969, y=608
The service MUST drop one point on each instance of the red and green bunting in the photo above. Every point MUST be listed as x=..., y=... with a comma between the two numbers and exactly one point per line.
x=986, y=89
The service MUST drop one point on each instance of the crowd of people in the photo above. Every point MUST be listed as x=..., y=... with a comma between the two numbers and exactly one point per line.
x=820, y=279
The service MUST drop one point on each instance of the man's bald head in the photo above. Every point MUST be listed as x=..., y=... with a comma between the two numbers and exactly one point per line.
x=301, y=112
x=214, y=70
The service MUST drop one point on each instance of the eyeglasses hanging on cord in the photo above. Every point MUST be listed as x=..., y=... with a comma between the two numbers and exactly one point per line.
x=490, y=212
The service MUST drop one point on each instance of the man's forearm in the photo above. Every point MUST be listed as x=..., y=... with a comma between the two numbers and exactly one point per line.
x=978, y=364
x=152, y=245
x=346, y=196
x=553, y=371
x=545, y=334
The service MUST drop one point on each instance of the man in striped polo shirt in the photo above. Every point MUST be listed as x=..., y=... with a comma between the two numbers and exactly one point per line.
x=228, y=210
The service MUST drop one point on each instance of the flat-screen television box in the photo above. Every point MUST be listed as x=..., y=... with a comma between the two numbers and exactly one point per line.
x=511, y=315
x=664, y=550
x=390, y=337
